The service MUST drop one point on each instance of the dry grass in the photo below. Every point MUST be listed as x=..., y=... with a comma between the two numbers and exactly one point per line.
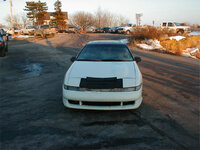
x=198, y=55
x=150, y=33
x=178, y=47
x=172, y=46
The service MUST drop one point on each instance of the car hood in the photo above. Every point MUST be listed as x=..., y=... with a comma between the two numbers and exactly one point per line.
x=83, y=69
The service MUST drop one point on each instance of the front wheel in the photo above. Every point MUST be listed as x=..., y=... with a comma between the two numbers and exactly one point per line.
x=2, y=52
x=128, y=32
x=180, y=32
x=53, y=34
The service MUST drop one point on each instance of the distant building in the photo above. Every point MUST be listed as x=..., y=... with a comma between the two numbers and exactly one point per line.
x=49, y=16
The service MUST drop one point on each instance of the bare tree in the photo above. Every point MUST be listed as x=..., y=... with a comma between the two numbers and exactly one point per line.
x=108, y=19
x=104, y=18
x=19, y=20
x=16, y=21
x=24, y=20
x=82, y=20
x=2, y=26
x=121, y=20
x=98, y=18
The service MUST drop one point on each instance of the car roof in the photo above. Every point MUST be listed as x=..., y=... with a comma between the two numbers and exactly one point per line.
x=106, y=42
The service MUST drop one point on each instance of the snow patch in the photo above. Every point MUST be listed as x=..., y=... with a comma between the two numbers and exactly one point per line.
x=155, y=44
x=145, y=46
x=194, y=33
x=177, y=38
x=150, y=45
x=190, y=52
x=124, y=41
x=23, y=36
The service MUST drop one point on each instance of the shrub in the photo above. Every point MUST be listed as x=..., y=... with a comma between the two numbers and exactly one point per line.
x=177, y=47
x=150, y=33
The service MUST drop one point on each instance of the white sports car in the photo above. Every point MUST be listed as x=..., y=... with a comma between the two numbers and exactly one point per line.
x=104, y=76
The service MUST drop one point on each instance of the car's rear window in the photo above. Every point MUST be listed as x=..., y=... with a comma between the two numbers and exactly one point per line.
x=45, y=26
x=105, y=53
x=31, y=27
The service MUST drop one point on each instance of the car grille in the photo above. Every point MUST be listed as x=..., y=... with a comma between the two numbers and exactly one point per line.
x=101, y=83
x=87, y=103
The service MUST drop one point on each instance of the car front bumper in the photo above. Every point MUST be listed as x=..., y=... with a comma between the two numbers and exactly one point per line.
x=91, y=100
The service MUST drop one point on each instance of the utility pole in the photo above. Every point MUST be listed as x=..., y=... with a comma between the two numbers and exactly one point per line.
x=138, y=19
x=11, y=17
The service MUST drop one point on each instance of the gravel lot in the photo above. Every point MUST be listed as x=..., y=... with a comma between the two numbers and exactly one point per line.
x=33, y=116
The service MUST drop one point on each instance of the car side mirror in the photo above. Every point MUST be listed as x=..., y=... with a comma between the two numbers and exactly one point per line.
x=138, y=59
x=73, y=59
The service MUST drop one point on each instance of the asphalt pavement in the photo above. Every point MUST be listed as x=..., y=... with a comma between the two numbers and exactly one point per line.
x=32, y=115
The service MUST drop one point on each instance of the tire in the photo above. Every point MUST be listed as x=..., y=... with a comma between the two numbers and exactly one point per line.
x=53, y=34
x=128, y=32
x=6, y=48
x=180, y=32
x=2, y=52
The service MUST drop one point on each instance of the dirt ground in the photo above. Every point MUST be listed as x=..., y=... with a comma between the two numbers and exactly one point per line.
x=33, y=116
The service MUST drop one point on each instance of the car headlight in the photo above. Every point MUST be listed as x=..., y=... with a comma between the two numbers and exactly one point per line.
x=129, y=89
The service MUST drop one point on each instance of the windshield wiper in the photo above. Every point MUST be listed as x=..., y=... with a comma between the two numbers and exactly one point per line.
x=114, y=60
x=89, y=60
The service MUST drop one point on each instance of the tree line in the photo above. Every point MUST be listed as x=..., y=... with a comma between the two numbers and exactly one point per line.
x=36, y=12
x=101, y=18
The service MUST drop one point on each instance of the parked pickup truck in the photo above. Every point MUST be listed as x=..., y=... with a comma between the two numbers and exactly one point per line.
x=128, y=29
x=30, y=30
x=176, y=27
x=15, y=31
x=44, y=30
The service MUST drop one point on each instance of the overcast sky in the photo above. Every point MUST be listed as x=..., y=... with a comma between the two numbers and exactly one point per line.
x=157, y=10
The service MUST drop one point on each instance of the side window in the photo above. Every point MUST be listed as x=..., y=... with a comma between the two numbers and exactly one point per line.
x=170, y=24
x=164, y=24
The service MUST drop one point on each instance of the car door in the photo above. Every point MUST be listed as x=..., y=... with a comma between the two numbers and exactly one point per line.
x=170, y=25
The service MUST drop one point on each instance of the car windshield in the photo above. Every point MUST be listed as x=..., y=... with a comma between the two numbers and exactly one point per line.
x=30, y=27
x=105, y=53
x=177, y=24
x=45, y=26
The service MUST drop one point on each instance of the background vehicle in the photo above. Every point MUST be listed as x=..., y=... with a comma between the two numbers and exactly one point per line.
x=62, y=31
x=73, y=29
x=127, y=29
x=114, y=30
x=44, y=30
x=3, y=43
x=55, y=28
x=16, y=31
x=98, y=30
x=105, y=29
x=30, y=30
x=176, y=27
x=102, y=30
